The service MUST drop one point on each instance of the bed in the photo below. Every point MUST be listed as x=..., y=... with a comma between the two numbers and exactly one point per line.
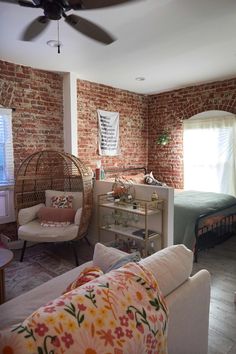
x=201, y=219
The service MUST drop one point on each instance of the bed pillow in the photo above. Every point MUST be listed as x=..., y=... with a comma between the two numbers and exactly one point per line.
x=77, y=201
x=56, y=214
x=138, y=178
x=104, y=256
x=132, y=257
x=85, y=276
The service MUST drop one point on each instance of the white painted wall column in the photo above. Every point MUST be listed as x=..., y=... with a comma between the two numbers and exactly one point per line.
x=70, y=113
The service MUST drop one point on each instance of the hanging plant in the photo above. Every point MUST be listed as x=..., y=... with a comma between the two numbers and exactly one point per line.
x=163, y=139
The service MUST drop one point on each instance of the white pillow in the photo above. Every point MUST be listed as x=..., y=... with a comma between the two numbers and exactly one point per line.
x=28, y=214
x=76, y=201
x=104, y=257
x=78, y=216
x=171, y=266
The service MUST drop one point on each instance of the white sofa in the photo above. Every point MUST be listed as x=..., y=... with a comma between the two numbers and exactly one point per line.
x=187, y=297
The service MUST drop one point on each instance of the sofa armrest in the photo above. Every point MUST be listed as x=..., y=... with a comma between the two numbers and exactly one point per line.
x=189, y=315
x=29, y=214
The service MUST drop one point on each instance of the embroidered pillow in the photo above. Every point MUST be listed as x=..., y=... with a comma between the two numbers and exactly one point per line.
x=84, y=277
x=62, y=201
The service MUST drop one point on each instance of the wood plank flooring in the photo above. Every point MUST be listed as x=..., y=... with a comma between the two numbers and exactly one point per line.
x=220, y=261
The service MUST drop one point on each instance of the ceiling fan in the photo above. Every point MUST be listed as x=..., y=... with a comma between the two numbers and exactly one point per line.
x=56, y=9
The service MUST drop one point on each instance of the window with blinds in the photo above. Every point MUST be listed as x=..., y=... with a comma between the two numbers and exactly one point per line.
x=6, y=148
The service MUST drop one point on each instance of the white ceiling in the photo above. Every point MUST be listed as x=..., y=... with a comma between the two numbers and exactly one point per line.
x=172, y=43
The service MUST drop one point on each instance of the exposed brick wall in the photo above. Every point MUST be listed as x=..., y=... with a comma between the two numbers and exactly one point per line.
x=133, y=110
x=38, y=120
x=37, y=97
x=167, y=112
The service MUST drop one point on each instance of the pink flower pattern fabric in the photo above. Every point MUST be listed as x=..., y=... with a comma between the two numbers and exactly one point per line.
x=121, y=312
x=62, y=201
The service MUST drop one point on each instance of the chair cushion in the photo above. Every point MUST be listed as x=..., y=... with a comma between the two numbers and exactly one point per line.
x=77, y=201
x=33, y=231
x=78, y=215
x=28, y=214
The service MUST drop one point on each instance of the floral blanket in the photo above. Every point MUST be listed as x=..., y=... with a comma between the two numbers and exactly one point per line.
x=120, y=312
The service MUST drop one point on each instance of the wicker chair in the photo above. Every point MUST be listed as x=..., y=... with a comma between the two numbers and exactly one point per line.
x=50, y=170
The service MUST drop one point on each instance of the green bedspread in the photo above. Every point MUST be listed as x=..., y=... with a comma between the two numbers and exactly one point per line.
x=188, y=205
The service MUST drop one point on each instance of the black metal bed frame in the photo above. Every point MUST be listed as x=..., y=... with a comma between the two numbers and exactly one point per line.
x=208, y=236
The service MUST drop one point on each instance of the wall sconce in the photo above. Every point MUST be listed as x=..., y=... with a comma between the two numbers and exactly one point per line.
x=163, y=139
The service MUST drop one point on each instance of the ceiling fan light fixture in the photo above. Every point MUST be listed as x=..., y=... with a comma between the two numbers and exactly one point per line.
x=54, y=43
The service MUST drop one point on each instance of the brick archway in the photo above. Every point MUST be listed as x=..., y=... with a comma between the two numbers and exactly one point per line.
x=168, y=110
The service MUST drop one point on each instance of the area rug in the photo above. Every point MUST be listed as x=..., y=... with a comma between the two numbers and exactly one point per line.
x=39, y=266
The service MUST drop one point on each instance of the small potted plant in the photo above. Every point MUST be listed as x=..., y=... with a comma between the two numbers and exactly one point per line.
x=163, y=139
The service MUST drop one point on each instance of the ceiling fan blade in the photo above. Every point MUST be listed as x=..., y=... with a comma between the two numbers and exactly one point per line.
x=89, y=29
x=10, y=1
x=35, y=28
x=27, y=4
x=95, y=4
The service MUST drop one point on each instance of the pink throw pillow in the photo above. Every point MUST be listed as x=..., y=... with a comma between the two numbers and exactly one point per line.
x=63, y=215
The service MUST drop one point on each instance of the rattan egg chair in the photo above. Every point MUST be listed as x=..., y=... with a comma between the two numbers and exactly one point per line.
x=50, y=171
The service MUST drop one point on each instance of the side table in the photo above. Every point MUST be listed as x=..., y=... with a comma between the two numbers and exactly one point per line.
x=5, y=258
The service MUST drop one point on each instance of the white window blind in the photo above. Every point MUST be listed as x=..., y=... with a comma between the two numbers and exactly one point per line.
x=6, y=148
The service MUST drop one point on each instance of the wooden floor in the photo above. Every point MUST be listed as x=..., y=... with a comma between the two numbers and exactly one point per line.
x=220, y=261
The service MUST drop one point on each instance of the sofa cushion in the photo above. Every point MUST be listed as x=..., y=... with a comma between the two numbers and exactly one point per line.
x=104, y=257
x=132, y=257
x=171, y=266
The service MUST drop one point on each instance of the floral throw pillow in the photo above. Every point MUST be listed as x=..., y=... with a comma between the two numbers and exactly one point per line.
x=62, y=201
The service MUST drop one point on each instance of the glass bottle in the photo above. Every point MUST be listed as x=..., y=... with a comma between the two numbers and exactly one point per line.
x=151, y=248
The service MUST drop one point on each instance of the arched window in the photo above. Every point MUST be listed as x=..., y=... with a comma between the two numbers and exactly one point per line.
x=210, y=152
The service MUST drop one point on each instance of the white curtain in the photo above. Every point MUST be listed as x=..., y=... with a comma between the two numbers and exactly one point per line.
x=6, y=147
x=210, y=154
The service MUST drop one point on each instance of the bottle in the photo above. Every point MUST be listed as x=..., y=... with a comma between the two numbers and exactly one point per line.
x=154, y=198
x=151, y=248
x=102, y=173
x=98, y=170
